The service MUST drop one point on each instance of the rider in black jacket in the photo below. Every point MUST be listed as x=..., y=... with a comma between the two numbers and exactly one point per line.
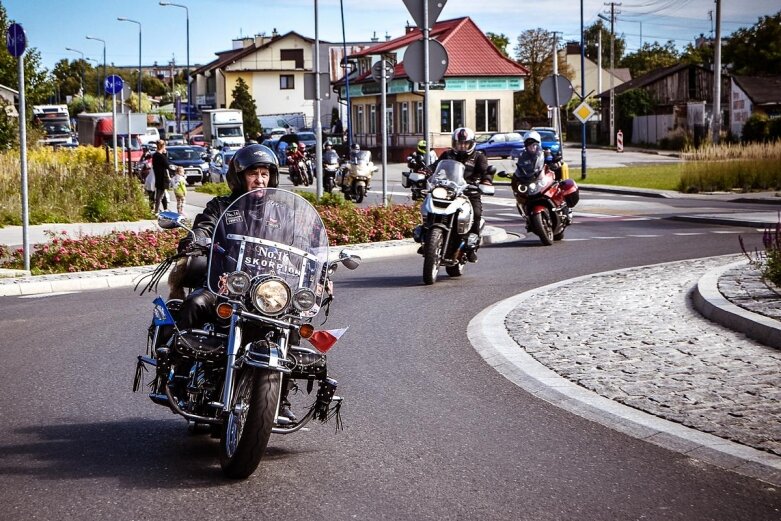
x=476, y=172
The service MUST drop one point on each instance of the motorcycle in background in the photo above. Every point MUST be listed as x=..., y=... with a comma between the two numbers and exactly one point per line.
x=330, y=169
x=358, y=176
x=447, y=218
x=415, y=177
x=267, y=263
x=298, y=172
x=544, y=202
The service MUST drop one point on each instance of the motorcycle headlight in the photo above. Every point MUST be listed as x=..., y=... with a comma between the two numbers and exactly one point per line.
x=271, y=296
x=304, y=299
x=237, y=283
x=440, y=192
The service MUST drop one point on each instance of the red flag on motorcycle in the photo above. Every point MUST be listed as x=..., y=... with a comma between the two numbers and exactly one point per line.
x=325, y=340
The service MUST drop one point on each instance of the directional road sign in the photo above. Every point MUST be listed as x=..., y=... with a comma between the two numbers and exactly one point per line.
x=15, y=40
x=377, y=71
x=113, y=84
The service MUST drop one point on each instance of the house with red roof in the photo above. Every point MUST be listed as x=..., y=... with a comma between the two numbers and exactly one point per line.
x=476, y=90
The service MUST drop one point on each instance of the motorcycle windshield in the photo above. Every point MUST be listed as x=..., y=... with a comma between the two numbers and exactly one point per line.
x=448, y=172
x=363, y=157
x=271, y=232
x=330, y=156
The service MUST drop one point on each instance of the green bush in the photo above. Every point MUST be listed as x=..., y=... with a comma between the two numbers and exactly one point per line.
x=755, y=128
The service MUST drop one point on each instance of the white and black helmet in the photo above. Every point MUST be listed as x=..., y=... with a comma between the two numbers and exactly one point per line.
x=463, y=140
x=532, y=136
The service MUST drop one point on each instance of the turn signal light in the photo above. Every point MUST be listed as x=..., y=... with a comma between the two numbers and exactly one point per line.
x=306, y=330
x=224, y=310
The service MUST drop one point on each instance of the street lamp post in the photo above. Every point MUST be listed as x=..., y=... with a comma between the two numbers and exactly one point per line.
x=104, y=63
x=187, y=70
x=96, y=62
x=81, y=83
x=123, y=19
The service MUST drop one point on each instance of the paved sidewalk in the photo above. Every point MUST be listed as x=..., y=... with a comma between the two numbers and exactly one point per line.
x=634, y=354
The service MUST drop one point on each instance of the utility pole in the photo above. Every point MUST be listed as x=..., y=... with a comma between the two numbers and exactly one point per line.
x=612, y=67
x=717, y=77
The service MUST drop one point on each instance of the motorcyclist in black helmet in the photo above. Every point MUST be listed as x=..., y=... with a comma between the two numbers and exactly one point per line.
x=253, y=166
x=476, y=171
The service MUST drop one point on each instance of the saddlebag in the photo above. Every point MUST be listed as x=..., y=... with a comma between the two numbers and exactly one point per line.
x=571, y=192
x=405, y=179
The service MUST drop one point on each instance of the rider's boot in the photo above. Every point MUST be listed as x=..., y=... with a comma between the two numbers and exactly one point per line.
x=472, y=243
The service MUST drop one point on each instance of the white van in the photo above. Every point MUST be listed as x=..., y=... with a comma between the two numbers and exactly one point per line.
x=152, y=135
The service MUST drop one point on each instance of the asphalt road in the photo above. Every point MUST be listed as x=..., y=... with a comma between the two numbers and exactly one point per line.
x=431, y=430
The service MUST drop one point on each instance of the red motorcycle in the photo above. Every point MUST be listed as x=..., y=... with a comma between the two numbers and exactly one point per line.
x=544, y=202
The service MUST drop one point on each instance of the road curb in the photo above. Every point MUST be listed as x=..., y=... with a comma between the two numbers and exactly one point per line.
x=489, y=336
x=711, y=304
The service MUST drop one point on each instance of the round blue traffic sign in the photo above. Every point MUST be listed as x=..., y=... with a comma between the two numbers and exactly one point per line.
x=112, y=84
x=15, y=40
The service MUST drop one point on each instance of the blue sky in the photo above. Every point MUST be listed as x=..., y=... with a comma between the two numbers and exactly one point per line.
x=53, y=25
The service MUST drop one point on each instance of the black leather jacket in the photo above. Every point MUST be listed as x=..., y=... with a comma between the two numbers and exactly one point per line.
x=204, y=223
x=476, y=165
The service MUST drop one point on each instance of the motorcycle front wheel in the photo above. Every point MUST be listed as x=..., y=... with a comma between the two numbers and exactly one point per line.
x=360, y=192
x=541, y=225
x=248, y=427
x=432, y=254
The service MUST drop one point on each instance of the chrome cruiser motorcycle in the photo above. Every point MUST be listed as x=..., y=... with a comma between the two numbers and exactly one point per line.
x=447, y=218
x=268, y=268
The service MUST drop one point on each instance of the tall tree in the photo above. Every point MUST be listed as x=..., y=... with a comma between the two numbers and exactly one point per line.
x=500, y=41
x=755, y=51
x=243, y=100
x=700, y=53
x=591, y=40
x=649, y=57
x=535, y=51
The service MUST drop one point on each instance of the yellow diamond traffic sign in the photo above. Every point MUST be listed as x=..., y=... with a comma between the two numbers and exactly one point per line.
x=583, y=112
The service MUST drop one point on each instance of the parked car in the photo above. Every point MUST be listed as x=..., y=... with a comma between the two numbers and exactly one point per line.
x=546, y=129
x=194, y=159
x=273, y=144
x=218, y=167
x=308, y=139
x=152, y=135
x=499, y=144
x=549, y=141
x=175, y=139
x=198, y=139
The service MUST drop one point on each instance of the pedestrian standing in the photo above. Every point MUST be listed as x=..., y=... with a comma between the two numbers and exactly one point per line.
x=179, y=184
x=161, y=167
x=149, y=185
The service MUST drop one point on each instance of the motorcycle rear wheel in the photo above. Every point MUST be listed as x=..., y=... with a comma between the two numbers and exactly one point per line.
x=541, y=225
x=432, y=254
x=247, y=430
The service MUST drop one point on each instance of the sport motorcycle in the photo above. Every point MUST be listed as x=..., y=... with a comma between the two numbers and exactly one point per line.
x=267, y=266
x=544, y=202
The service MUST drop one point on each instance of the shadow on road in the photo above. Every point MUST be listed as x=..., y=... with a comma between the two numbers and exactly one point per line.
x=142, y=453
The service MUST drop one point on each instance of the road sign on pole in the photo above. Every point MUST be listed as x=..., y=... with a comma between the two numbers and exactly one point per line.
x=548, y=91
x=417, y=8
x=113, y=84
x=414, y=62
x=583, y=112
x=15, y=40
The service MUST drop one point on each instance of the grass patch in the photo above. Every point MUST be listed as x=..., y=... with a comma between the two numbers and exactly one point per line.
x=665, y=176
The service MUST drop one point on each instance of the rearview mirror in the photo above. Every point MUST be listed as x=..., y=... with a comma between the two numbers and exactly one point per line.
x=348, y=260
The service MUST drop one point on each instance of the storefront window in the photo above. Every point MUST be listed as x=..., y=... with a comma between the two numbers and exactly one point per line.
x=404, y=118
x=451, y=115
x=419, y=117
x=372, y=119
x=487, y=115
x=359, y=126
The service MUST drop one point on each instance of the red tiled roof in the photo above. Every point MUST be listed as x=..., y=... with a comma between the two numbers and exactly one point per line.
x=469, y=51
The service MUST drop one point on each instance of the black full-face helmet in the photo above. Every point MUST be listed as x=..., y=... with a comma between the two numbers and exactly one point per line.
x=248, y=157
